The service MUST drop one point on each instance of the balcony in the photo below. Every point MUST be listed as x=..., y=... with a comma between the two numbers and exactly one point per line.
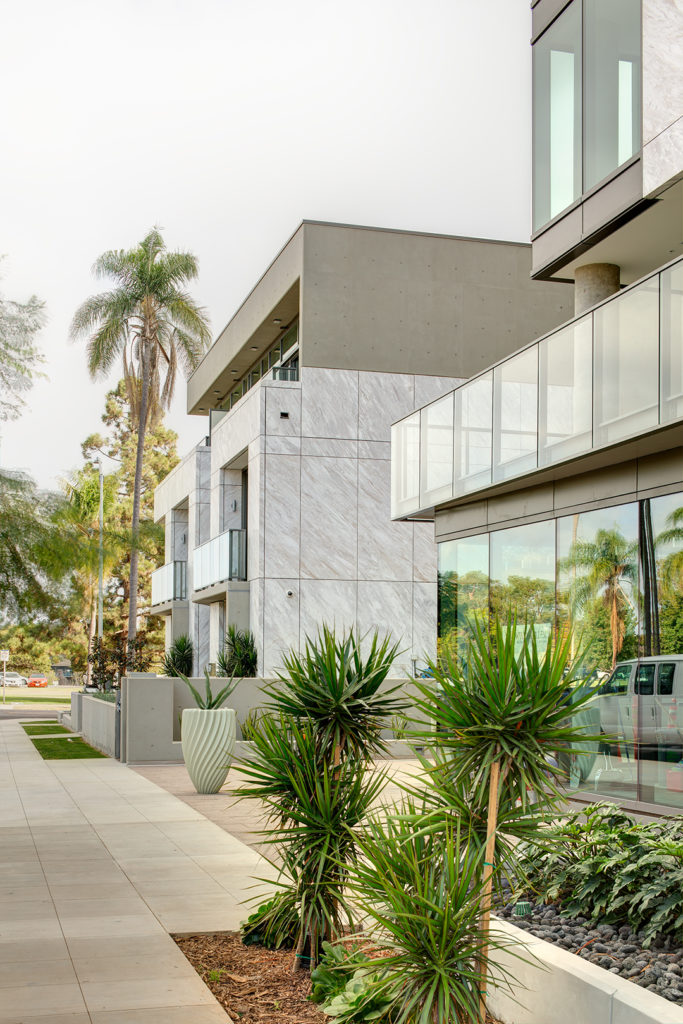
x=169, y=583
x=613, y=374
x=223, y=558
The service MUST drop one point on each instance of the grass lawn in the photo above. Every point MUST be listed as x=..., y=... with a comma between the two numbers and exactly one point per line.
x=29, y=698
x=64, y=748
x=44, y=729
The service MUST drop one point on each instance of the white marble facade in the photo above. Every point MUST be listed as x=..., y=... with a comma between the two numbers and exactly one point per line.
x=321, y=544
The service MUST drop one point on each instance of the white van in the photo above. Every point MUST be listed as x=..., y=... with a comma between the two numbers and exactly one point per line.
x=642, y=702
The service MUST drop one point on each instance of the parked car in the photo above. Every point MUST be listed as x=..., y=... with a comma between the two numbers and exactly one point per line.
x=14, y=679
x=642, y=702
x=37, y=679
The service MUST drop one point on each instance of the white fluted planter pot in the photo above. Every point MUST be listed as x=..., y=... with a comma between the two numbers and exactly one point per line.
x=208, y=742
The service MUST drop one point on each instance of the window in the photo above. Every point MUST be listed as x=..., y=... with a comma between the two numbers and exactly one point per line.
x=618, y=681
x=645, y=680
x=587, y=101
x=665, y=680
x=557, y=116
x=611, y=86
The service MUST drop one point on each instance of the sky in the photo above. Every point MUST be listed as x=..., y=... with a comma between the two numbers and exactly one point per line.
x=226, y=124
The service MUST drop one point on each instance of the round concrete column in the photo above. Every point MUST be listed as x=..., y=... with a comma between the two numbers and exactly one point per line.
x=594, y=282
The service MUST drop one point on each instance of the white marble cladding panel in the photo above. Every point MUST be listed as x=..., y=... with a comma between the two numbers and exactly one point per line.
x=388, y=609
x=256, y=618
x=385, y=548
x=374, y=450
x=238, y=428
x=281, y=619
x=203, y=468
x=424, y=552
x=200, y=637
x=427, y=389
x=279, y=401
x=215, y=631
x=663, y=158
x=383, y=398
x=179, y=518
x=329, y=602
x=281, y=517
x=176, y=487
x=255, y=518
x=329, y=403
x=216, y=503
x=339, y=448
x=329, y=518
x=230, y=495
x=282, y=445
x=424, y=623
x=662, y=63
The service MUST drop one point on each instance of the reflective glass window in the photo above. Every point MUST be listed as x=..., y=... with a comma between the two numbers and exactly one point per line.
x=523, y=576
x=405, y=465
x=671, y=286
x=436, y=433
x=665, y=680
x=626, y=354
x=463, y=591
x=619, y=680
x=645, y=680
x=661, y=545
x=473, y=434
x=515, y=404
x=611, y=86
x=566, y=393
x=557, y=116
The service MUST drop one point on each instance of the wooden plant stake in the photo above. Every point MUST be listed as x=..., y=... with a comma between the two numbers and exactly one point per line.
x=491, y=826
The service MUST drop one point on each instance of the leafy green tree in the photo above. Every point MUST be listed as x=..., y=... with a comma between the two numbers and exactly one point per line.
x=149, y=322
x=19, y=355
x=119, y=443
x=27, y=569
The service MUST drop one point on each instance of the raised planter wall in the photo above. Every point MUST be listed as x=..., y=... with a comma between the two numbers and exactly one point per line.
x=76, y=698
x=98, y=723
x=551, y=984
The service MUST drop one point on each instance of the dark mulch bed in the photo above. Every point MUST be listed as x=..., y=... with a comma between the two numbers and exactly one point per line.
x=254, y=985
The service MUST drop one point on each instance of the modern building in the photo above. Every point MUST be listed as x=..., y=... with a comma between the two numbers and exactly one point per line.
x=280, y=519
x=554, y=478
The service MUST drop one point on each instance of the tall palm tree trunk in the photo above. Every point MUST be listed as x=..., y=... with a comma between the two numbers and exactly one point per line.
x=137, y=489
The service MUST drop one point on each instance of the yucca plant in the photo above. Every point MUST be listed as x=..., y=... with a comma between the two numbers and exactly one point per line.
x=209, y=701
x=313, y=809
x=178, y=659
x=501, y=720
x=239, y=656
x=421, y=892
x=336, y=686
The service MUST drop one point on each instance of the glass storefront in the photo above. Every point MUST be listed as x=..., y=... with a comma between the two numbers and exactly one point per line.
x=614, y=577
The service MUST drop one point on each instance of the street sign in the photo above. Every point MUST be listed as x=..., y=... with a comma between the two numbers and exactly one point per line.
x=4, y=655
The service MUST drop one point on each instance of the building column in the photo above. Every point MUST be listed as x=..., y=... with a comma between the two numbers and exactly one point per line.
x=594, y=282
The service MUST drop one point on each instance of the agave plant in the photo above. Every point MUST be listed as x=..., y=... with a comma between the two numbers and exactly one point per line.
x=335, y=686
x=179, y=656
x=209, y=701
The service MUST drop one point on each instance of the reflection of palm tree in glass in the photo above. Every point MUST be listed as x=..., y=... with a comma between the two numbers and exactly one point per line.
x=672, y=564
x=606, y=567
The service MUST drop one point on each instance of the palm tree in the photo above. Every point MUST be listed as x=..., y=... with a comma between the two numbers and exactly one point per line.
x=149, y=321
x=608, y=568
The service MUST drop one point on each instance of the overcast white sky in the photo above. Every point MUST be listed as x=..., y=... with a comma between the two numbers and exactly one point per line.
x=226, y=123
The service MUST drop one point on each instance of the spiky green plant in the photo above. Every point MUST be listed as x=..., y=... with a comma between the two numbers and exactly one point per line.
x=421, y=891
x=336, y=686
x=239, y=656
x=209, y=701
x=178, y=659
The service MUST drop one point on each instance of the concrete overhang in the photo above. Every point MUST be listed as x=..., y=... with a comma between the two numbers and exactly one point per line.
x=251, y=331
x=166, y=607
x=660, y=440
x=218, y=591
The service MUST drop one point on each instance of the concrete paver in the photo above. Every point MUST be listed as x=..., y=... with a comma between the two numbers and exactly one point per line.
x=99, y=865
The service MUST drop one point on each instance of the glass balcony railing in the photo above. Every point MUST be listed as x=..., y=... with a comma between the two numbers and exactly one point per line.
x=169, y=583
x=614, y=373
x=223, y=558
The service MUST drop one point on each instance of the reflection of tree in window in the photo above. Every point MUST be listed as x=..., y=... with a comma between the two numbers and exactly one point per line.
x=668, y=546
x=530, y=600
x=462, y=599
x=604, y=575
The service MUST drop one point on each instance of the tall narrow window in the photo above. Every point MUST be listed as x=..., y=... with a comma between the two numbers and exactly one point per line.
x=557, y=116
x=611, y=86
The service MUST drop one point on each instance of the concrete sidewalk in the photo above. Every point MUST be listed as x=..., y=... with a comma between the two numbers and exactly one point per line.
x=99, y=865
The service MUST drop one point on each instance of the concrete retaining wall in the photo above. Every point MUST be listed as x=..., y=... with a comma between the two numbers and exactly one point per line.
x=151, y=709
x=98, y=723
x=76, y=698
x=551, y=984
